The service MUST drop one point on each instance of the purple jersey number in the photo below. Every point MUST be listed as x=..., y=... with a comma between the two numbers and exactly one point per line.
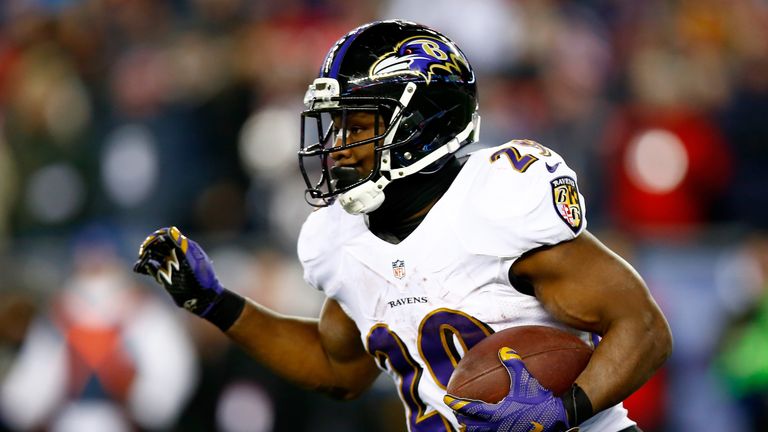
x=519, y=161
x=439, y=333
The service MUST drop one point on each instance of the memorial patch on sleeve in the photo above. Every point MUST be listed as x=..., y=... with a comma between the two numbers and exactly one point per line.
x=565, y=197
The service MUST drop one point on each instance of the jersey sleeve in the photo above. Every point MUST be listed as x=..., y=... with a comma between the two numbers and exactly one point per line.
x=321, y=253
x=312, y=247
x=522, y=196
x=319, y=246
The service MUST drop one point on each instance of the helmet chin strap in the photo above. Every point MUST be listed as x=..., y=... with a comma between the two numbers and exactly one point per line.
x=364, y=198
x=370, y=195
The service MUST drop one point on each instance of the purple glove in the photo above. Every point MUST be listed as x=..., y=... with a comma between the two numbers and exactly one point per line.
x=181, y=266
x=528, y=407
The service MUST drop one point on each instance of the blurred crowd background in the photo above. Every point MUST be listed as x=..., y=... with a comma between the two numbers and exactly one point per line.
x=121, y=116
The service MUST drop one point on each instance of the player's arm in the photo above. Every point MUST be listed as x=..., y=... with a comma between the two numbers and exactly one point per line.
x=324, y=354
x=586, y=286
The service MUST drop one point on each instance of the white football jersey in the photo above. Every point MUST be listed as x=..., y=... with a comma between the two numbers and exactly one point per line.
x=423, y=302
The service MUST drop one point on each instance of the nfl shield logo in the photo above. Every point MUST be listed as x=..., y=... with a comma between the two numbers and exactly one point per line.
x=398, y=269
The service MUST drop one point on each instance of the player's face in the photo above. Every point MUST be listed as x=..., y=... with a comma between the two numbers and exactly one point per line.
x=359, y=126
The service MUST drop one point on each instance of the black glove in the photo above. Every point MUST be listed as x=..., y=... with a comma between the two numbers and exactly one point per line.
x=181, y=266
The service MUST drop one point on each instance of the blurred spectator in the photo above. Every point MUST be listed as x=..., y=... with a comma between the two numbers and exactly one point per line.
x=743, y=362
x=745, y=126
x=668, y=170
x=682, y=275
x=668, y=164
x=17, y=309
x=103, y=356
x=47, y=112
x=7, y=190
x=492, y=33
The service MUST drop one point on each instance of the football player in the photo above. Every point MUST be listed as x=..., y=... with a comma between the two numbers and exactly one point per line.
x=421, y=256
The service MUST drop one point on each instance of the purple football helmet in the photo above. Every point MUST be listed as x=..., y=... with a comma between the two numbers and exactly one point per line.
x=413, y=78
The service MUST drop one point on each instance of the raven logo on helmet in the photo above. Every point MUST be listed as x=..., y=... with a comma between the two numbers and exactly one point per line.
x=423, y=56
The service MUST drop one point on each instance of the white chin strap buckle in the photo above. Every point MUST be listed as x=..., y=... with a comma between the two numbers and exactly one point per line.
x=364, y=198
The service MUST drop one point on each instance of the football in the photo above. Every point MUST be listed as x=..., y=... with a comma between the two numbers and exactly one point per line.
x=553, y=356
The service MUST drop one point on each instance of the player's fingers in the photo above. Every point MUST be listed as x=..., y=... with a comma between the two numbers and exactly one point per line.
x=138, y=267
x=156, y=253
x=154, y=243
x=455, y=403
x=149, y=266
x=160, y=247
x=148, y=263
x=518, y=374
x=467, y=407
x=179, y=239
x=471, y=424
x=153, y=265
x=511, y=360
x=152, y=238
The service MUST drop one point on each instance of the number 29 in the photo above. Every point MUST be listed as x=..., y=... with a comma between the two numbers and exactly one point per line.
x=438, y=333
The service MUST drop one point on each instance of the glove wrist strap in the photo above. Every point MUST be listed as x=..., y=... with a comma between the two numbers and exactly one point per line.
x=577, y=405
x=226, y=310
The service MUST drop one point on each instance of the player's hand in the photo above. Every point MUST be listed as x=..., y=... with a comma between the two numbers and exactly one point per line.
x=528, y=407
x=181, y=266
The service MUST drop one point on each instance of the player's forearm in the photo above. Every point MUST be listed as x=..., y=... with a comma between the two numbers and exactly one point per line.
x=632, y=349
x=296, y=348
x=289, y=346
x=603, y=294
